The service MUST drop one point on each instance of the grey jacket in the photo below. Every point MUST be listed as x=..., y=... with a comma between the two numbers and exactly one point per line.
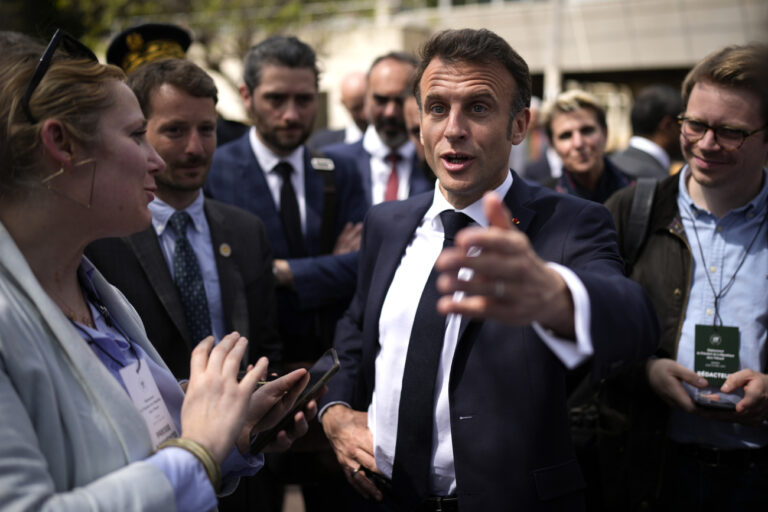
x=70, y=437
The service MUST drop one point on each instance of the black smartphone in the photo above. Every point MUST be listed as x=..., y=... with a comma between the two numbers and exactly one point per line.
x=319, y=375
x=722, y=405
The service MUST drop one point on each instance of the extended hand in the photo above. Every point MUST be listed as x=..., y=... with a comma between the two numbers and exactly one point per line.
x=510, y=283
x=348, y=432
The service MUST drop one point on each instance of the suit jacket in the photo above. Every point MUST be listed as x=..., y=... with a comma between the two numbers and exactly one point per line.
x=70, y=437
x=507, y=394
x=324, y=283
x=639, y=164
x=357, y=153
x=135, y=264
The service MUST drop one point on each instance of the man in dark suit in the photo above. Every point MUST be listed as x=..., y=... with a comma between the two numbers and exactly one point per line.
x=230, y=245
x=535, y=288
x=316, y=258
x=656, y=134
x=353, y=87
x=312, y=209
x=385, y=158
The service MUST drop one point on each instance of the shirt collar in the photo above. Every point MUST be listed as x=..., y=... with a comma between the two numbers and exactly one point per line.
x=268, y=160
x=375, y=147
x=475, y=211
x=162, y=211
x=650, y=147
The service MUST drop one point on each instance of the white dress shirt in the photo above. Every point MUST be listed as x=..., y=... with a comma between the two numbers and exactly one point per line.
x=352, y=133
x=268, y=160
x=395, y=323
x=381, y=168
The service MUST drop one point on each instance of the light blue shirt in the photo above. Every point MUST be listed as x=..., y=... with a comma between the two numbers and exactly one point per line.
x=192, y=488
x=744, y=305
x=199, y=236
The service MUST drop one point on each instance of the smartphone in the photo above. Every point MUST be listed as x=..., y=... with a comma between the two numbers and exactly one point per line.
x=708, y=403
x=321, y=372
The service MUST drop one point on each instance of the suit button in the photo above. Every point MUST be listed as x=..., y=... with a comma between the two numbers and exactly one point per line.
x=677, y=292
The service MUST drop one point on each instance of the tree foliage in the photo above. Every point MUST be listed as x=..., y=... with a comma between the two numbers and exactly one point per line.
x=97, y=20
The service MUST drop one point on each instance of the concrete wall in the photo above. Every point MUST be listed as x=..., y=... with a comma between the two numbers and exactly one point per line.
x=593, y=35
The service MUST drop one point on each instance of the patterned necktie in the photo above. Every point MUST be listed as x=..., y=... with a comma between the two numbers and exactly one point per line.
x=392, y=182
x=413, y=451
x=289, y=212
x=189, y=280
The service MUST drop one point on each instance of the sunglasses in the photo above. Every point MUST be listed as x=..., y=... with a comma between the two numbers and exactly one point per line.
x=74, y=49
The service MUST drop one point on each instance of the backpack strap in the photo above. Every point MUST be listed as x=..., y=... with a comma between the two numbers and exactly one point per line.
x=637, y=225
x=325, y=167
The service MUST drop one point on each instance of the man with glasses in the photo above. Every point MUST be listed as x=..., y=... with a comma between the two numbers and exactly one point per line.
x=704, y=263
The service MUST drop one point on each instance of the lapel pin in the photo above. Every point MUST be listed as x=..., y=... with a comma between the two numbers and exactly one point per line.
x=225, y=250
x=515, y=220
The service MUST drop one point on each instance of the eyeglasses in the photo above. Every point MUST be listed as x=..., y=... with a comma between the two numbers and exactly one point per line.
x=730, y=139
x=74, y=48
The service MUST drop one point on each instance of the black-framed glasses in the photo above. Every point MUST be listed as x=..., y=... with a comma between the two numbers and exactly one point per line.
x=730, y=139
x=74, y=49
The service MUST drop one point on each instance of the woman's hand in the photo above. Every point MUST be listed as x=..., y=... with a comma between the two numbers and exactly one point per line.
x=215, y=405
x=271, y=402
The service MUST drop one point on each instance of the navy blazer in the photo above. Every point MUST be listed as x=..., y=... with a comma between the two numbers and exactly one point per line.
x=357, y=153
x=135, y=264
x=507, y=393
x=321, y=280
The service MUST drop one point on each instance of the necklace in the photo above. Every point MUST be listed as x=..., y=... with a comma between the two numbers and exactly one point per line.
x=84, y=319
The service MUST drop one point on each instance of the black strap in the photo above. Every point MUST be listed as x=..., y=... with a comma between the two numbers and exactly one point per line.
x=325, y=167
x=637, y=225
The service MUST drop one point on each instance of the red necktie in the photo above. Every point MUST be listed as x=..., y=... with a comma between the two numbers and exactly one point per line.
x=392, y=181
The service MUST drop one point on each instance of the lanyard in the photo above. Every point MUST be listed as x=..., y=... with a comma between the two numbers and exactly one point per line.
x=719, y=295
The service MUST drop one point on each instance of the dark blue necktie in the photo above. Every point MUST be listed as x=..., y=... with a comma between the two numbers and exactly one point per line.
x=413, y=451
x=189, y=280
x=289, y=212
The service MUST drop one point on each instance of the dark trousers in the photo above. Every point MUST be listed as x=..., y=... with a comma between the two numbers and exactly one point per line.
x=701, y=482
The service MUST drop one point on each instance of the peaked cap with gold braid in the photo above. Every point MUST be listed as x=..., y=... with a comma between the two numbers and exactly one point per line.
x=145, y=43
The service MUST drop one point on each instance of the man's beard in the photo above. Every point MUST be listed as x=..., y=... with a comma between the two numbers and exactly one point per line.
x=392, y=132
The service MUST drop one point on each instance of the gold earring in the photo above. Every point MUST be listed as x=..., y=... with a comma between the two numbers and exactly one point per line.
x=46, y=181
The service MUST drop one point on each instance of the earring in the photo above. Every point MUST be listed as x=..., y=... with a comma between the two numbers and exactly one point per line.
x=46, y=181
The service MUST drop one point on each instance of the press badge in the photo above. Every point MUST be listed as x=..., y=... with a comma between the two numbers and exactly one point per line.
x=717, y=353
x=146, y=398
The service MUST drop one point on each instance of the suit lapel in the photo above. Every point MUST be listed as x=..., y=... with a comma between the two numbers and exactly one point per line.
x=255, y=192
x=313, y=198
x=146, y=247
x=363, y=162
x=223, y=241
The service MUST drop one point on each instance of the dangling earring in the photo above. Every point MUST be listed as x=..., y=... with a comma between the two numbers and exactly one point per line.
x=46, y=181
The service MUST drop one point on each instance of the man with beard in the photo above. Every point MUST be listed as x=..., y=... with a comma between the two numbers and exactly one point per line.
x=314, y=231
x=312, y=209
x=385, y=158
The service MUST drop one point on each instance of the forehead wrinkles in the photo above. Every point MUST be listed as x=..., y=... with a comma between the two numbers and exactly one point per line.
x=442, y=79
